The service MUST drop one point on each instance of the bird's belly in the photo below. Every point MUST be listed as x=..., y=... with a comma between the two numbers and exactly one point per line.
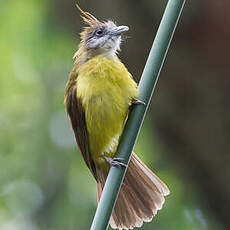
x=105, y=117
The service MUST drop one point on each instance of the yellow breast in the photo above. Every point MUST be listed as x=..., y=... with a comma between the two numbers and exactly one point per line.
x=106, y=89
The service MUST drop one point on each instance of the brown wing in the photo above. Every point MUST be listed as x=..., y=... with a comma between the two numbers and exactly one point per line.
x=77, y=118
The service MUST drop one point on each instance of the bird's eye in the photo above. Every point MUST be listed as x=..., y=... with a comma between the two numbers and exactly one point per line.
x=99, y=32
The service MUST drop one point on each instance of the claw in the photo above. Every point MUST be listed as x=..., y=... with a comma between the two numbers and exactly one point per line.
x=115, y=161
x=136, y=101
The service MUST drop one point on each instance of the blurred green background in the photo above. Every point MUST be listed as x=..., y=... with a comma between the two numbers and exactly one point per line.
x=44, y=183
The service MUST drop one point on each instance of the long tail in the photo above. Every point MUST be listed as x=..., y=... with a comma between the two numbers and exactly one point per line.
x=141, y=196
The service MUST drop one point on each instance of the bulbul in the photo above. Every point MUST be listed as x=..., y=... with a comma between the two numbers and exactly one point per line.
x=99, y=93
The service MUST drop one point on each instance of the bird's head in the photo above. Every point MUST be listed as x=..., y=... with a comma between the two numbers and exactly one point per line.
x=100, y=37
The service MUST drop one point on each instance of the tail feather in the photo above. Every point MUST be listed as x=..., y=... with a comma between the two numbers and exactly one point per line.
x=141, y=196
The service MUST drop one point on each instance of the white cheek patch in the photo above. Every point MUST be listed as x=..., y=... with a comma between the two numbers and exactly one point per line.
x=92, y=43
x=95, y=43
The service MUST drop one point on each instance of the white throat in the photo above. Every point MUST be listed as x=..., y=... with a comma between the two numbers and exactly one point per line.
x=109, y=49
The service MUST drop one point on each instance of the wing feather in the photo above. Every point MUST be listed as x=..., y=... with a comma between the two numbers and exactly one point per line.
x=76, y=116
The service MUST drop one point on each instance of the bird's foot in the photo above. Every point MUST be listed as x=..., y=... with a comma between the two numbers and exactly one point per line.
x=136, y=101
x=115, y=161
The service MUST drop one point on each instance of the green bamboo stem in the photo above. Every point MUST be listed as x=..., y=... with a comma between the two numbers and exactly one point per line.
x=146, y=87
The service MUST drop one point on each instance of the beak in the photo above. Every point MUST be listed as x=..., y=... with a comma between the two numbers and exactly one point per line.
x=119, y=30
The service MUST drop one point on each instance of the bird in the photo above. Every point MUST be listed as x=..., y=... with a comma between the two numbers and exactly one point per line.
x=99, y=94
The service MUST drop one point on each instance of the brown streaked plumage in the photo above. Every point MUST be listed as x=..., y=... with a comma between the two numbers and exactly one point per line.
x=142, y=192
